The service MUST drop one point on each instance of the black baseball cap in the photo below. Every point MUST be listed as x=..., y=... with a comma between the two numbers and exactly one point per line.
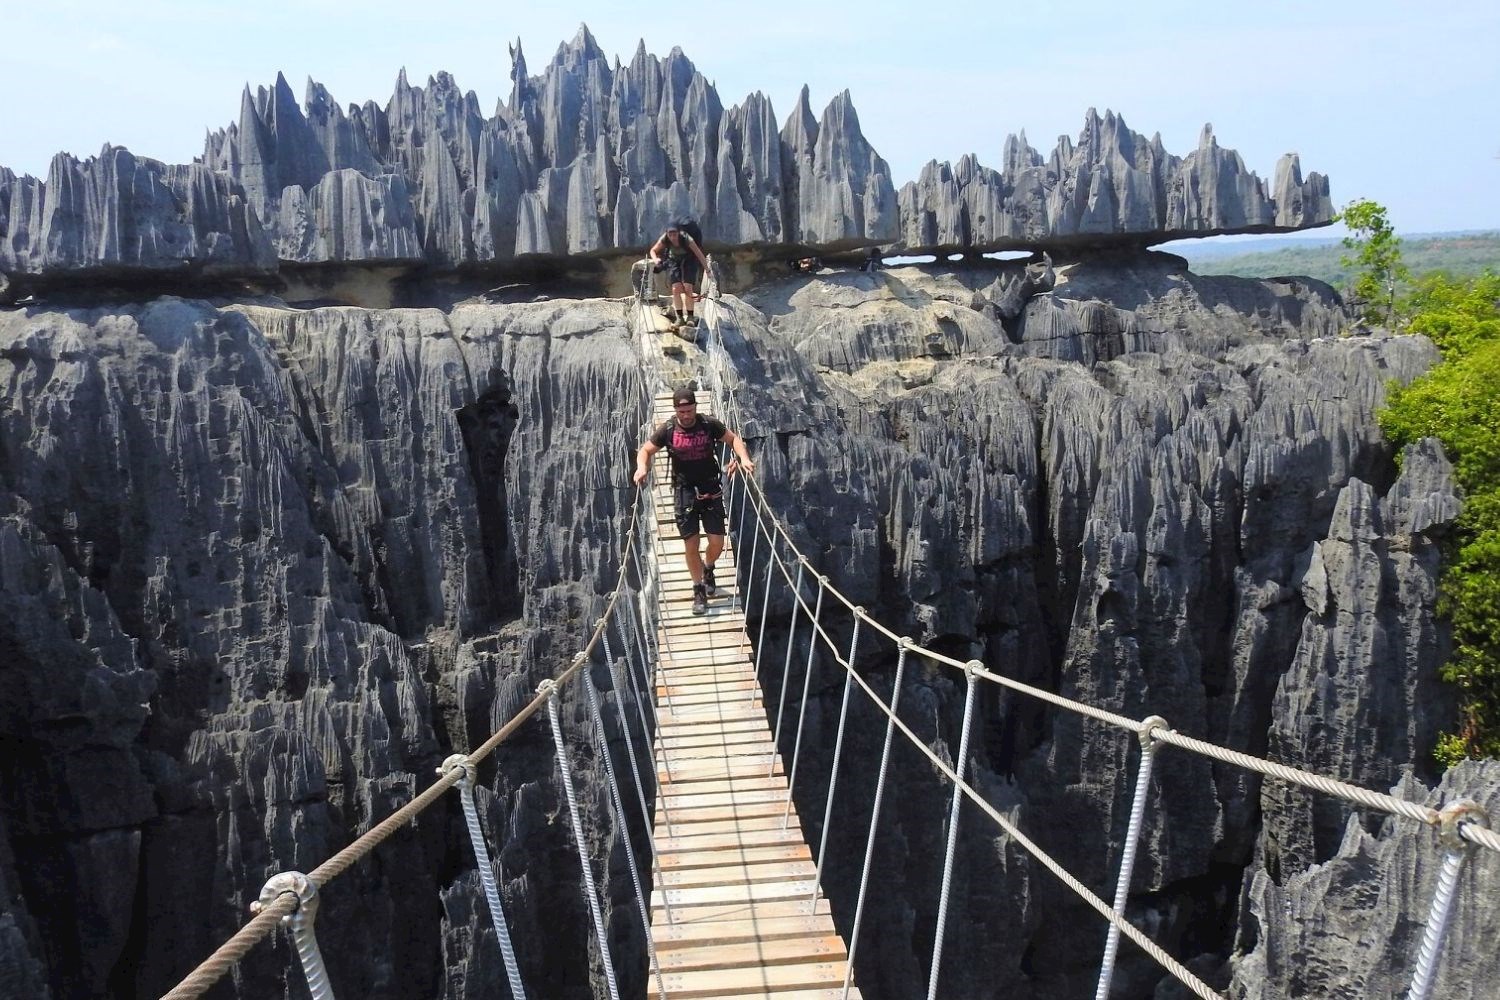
x=683, y=396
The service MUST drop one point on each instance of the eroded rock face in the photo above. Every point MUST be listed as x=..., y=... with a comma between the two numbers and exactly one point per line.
x=264, y=567
x=262, y=570
x=1112, y=186
x=595, y=158
x=1346, y=928
x=1166, y=505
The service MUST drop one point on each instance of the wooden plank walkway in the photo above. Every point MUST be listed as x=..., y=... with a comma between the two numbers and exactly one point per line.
x=732, y=912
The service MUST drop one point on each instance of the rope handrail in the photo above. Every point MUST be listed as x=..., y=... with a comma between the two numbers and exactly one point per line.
x=212, y=969
x=1475, y=833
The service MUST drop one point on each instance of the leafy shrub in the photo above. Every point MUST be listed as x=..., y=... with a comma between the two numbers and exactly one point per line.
x=1458, y=402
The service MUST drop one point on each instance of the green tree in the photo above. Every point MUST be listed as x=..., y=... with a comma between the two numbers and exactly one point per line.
x=1375, y=256
x=1458, y=402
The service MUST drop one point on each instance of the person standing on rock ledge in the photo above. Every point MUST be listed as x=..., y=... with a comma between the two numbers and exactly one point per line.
x=676, y=251
x=689, y=438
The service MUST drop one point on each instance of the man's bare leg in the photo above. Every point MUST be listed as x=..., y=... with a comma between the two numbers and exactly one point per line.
x=694, y=560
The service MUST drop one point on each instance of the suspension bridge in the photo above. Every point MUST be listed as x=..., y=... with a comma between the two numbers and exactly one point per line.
x=735, y=907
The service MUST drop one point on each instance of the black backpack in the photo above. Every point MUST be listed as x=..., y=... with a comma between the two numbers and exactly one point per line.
x=691, y=228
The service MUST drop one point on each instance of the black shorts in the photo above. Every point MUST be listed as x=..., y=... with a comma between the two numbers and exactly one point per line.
x=694, y=514
x=683, y=270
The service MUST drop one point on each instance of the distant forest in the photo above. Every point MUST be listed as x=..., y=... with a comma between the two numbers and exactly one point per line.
x=1464, y=255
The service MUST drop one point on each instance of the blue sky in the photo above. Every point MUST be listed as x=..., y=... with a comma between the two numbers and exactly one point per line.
x=1395, y=101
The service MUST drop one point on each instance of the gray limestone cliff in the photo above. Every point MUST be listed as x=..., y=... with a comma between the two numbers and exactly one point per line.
x=1111, y=186
x=1145, y=490
x=592, y=157
x=264, y=567
x=262, y=570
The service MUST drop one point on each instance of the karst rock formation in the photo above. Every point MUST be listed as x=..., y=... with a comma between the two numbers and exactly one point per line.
x=271, y=549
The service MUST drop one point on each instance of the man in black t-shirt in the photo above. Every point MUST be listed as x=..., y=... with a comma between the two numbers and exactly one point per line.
x=690, y=439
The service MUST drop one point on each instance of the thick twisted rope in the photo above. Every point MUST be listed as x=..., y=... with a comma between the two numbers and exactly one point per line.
x=1464, y=812
x=838, y=751
x=807, y=675
x=786, y=670
x=486, y=871
x=1127, y=857
x=586, y=865
x=635, y=765
x=1425, y=977
x=864, y=874
x=970, y=685
x=623, y=826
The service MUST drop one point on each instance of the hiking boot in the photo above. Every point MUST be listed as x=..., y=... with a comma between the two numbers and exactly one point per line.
x=700, y=599
x=709, y=584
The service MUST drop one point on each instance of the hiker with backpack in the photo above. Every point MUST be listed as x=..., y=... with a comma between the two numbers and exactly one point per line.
x=690, y=439
x=680, y=252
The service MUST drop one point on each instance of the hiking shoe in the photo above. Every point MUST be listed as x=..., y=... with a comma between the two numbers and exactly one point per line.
x=709, y=584
x=700, y=599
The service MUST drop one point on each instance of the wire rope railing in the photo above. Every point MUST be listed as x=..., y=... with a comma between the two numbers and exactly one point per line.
x=1464, y=825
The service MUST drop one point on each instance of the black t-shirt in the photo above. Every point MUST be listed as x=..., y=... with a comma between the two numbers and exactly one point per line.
x=694, y=460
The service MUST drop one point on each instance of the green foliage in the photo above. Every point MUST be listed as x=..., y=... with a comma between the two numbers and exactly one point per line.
x=1375, y=257
x=1458, y=256
x=1458, y=402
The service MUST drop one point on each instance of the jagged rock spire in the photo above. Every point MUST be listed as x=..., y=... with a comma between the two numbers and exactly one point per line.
x=592, y=156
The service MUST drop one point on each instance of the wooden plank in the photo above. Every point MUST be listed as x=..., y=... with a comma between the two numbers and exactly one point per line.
x=812, y=994
x=690, y=774
x=765, y=909
x=709, y=895
x=744, y=824
x=696, y=716
x=727, y=744
x=722, y=679
x=752, y=780
x=706, y=983
x=703, y=691
x=670, y=937
x=712, y=725
x=738, y=874
x=690, y=840
x=735, y=799
x=682, y=815
x=723, y=622
x=698, y=697
x=739, y=855
x=691, y=658
x=813, y=948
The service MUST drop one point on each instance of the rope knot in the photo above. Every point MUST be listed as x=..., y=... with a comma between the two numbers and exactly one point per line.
x=1453, y=816
x=1148, y=741
x=972, y=668
x=289, y=883
x=547, y=688
x=458, y=761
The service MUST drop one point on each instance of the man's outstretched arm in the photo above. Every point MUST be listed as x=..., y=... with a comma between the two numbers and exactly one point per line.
x=643, y=462
x=741, y=453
